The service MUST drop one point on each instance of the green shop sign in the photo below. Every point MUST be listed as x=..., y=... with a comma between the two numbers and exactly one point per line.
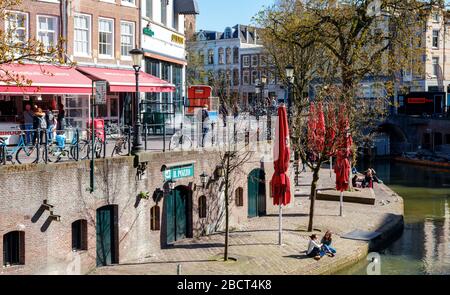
x=149, y=32
x=179, y=172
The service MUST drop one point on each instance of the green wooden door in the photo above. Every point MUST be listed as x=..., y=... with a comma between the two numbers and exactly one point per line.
x=180, y=204
x=253, y=189
x=176, y=215
x=105, y=232
x=256, y=193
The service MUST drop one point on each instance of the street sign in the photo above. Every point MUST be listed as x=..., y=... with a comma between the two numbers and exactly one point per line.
x=180, y=172
x=101, y=88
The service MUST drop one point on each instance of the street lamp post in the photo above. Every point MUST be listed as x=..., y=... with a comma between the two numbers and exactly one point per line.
x=290, y=79
x=137, y=55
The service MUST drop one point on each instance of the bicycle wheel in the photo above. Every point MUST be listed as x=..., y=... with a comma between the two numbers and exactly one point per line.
x=83, y=150
x=53, y=154
x=27, y=155
x=174, y=141
x=121, y=148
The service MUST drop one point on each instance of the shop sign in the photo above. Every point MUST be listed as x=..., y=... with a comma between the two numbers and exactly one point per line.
x=180, y=172
x=177, y=39
x=101, y=88
x=148, y=32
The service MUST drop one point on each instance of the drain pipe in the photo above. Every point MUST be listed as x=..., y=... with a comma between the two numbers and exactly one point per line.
x=64, y=15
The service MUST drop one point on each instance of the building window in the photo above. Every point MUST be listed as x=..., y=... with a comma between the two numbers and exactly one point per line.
x=254, y=60
x=246, y=61
x=149, y=9
x=271, y=77
x=436, y=17
x=235, y=77
x=435, y=39
x=245, y=77
x=435, y=64
x=82, y=35
x=201, y=56
x=239, y=197
x=105, y=37
x=47, y=31
x=175, y=22
x=263, y=61
x=126, y=38
x=14, y=248
x=202, y=207
x=17, y=25
x=155, y=215
x=227, y=33
x=254, y=77
x=221, y=60
x=447, y=138
x=79, y=235
x=211, y=56
x=235, y=55
x=164, y=4
x=228, y=56
x=129, y=2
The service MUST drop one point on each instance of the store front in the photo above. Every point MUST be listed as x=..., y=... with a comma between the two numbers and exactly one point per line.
x=44, y=86
x=121, y=91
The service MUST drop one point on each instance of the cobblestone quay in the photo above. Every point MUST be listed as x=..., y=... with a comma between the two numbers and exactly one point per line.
x=254, y=243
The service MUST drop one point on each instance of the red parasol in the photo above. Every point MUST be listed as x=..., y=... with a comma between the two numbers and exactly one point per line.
x=319, y=139
x=280, y=181
x=342, y=168
x=331, y=130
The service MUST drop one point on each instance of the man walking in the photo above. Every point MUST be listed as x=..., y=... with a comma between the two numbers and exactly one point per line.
x=205, y=123
x=28, y=123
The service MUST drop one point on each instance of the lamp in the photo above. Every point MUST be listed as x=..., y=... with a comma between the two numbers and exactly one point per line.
x=171, y=184
x=137, y=55
x=263, y=79
x=289, y=72
x=220, y=171
x=204, y=179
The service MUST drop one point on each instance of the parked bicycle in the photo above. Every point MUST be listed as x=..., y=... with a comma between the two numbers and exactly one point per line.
x=56, y=151
x=121, y=145
x=23, y=153
x=180, y=140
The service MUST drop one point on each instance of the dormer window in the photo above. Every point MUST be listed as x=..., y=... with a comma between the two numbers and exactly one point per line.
x=228, y=33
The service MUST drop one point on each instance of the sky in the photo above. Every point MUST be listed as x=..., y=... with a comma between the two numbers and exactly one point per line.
x=216, y=15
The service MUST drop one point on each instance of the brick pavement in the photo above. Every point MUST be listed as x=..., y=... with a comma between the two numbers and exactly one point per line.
x=254, y=244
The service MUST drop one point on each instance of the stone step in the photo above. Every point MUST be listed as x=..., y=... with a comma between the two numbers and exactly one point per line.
x=360, y=196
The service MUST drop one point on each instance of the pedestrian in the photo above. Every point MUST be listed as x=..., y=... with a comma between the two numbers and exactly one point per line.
x=223, y=111
x=28, y=124
x=326, y=244
x=235, y=110
x=39, y=125
x=315, y=248
x=51, y=121
x=61, y=118
x=205, y=123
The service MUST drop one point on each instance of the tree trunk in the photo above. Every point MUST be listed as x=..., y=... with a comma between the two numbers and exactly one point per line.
x=227, y=214
x=313, y=197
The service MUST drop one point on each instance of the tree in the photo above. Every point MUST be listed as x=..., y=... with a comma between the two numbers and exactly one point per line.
x=195, y=70
x=14, y=48
x=341, y=43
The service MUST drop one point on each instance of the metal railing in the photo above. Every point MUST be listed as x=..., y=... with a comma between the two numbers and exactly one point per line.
x=33, y=146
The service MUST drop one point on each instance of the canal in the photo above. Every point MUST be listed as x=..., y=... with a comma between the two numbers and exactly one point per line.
x=424, y=247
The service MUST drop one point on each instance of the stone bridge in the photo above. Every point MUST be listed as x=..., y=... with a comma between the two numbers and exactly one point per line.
x=408, y=133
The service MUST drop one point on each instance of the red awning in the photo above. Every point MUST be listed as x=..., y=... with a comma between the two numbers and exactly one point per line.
x=46, y=79
x=125, y=80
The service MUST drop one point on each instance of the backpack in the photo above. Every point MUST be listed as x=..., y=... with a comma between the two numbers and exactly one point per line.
x=42, y=123
x=49, y=118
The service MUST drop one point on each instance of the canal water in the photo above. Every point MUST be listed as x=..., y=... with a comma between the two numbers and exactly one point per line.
x=424, y=247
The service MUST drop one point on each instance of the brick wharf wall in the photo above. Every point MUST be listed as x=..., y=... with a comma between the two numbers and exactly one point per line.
x=48, y=248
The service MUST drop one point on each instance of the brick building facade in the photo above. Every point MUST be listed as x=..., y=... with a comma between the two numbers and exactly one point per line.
x=52, y=224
